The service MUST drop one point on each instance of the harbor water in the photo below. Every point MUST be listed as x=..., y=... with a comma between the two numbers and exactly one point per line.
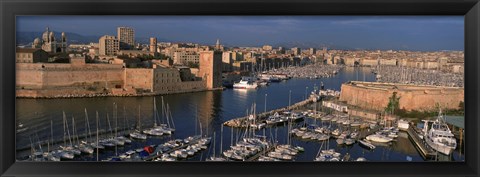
x=193, y=114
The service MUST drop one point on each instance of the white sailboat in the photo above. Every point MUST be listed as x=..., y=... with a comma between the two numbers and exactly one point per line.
x=88, y=135
x=155, y=130
x=63, y=152
x=109, y=141
x=214, y=157
x=137, y=134
x=51, y=155
x=84, y=148
x=121, y=140
x=96, y=145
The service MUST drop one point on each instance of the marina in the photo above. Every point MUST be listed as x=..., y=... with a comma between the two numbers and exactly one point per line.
x=207, y=112
x=404, y=75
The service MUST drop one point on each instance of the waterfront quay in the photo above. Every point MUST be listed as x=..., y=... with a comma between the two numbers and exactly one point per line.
x=420, y=144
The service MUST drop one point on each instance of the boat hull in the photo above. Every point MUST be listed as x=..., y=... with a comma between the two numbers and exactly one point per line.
x=442, y=149
x=378, y=138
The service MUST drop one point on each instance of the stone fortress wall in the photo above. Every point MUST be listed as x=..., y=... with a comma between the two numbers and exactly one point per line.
x=160, y=81
x=80, y=79
x=375, y=96
x=45, y=76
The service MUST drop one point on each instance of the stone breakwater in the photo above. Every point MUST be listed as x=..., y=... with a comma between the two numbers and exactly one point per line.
x=241, y=122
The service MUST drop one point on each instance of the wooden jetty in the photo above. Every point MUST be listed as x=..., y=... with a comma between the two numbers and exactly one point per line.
x=420, y=144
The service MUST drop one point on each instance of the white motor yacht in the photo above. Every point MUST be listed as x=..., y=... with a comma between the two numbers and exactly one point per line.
x=439, y=136
x=245, y=84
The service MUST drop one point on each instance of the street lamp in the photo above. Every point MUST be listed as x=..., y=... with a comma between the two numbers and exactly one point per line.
x=265, y=103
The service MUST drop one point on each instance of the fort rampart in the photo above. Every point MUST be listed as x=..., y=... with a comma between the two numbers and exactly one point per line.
x=375, y=96
x=77, y=79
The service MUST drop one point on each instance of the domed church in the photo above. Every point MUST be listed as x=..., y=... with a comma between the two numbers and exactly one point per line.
x=49, y=43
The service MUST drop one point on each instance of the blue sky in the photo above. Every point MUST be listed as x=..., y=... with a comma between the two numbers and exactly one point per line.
x=357, y=32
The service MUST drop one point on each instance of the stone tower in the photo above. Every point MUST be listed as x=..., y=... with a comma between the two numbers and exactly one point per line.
x=153, y=46
x=210, y=69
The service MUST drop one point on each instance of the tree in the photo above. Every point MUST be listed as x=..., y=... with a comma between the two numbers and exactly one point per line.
x=393, y=104
x=461, y=105
x=192, y=65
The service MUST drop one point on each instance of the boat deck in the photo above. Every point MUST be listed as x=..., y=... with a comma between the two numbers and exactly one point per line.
x=256, y=156
x=150, y=158
x=363, y=134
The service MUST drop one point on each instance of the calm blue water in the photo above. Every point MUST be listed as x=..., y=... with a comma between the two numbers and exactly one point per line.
x=210, y=108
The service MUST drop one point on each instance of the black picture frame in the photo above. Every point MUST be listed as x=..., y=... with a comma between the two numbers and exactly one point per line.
x=9, y=9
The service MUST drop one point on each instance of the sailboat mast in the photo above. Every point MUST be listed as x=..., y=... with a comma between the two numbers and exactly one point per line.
x=167, y=110
x=116, y=118
x=171, y=118
x=154, y=113
x=97, y=135
x=87, y=127
x=196, y=120
x=109, y=126
x=231, y=134
x=73, y=131
x=214, y=144
x=125, y=123
x=139, y=123
x=201, y=130
x=163, y=110
x=221, y=138
x=68, y=133
x=51, y=131
x=64, y=131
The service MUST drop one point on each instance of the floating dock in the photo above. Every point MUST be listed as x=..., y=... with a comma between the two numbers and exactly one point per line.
x=420, y=144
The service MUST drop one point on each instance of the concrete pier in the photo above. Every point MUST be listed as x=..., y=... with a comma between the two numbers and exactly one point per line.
x=420, y=144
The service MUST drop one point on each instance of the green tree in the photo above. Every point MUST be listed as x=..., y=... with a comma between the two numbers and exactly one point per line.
x=393, y=104
x=192, y=65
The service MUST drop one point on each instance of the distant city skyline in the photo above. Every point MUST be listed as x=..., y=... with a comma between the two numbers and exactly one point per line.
x=418, y=33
